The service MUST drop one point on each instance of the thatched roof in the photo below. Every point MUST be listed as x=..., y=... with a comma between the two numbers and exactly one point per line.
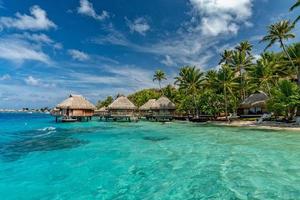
x=148, y=104
x=103, y=109
x=257, y=99
x=122, y=103
x=163, y=103
x=76, y=102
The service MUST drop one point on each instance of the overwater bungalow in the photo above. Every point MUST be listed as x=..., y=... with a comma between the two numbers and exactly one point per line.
x=145, y=110
x=163, y=109
x=74, y=108
x=121, y=109
x=102, y=112
x=254, y=105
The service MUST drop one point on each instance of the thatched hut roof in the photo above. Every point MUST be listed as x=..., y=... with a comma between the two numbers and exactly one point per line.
x=122, y=103
x=76, y=102
x=148, y=104
x=257, y=99
x=103, y=109
x=163, y=103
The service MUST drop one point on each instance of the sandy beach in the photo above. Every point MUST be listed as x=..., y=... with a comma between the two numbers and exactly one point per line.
x=263, y=125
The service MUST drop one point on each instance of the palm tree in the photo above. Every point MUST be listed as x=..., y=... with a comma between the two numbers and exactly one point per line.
x=285, y=99
x=279, y=32
x=294, y=52
x=159, y=75
x=264, y=74
x=296, y=5
x=240, y=62
x=190, y=81
x=210, y=79
x=245, y=46
x=226, y=57
x=227, y=80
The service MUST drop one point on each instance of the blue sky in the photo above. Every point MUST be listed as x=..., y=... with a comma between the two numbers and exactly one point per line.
x=97, y=48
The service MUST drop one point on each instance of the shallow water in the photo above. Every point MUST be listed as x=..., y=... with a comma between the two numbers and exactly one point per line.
x=40, y=159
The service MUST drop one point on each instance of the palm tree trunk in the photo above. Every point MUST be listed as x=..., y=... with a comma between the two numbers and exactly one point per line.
x=225, y=100
x=160, y=88
x=290, y=59
x=298, y=75
x=196, y=107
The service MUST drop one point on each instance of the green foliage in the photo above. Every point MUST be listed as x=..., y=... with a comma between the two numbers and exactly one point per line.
x=159, y=76
x=190, y=82
x=279, y=32
x=105, y=102
x=285, y=99
x=211, y=103
x=141, y=97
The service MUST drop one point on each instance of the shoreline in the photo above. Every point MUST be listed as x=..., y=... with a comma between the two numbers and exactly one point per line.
x=264, y=125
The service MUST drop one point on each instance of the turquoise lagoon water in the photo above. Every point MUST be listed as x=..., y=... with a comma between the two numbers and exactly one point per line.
x=41, y=159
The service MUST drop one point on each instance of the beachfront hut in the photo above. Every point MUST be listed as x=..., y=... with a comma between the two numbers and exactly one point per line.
x=254, y=105
x=121, y=108
x=145, y=110
x=75, y=108
x=163, y=109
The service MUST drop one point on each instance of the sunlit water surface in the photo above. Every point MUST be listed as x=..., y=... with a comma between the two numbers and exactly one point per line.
x=41, y=159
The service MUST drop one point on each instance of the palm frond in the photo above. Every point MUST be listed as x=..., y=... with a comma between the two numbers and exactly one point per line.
x=297, y=4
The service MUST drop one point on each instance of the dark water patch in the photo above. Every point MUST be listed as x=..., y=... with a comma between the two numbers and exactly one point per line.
x=38, y=141
x=155, y=139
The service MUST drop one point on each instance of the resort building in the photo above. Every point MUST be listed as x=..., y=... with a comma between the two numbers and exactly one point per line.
x=102, y=112
x=254, y=105
x=145, y=110
x=74, y=108
x=163, y=109
x=121, y=108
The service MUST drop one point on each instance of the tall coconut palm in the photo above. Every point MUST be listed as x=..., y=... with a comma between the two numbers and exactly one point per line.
x=240, y=62
x=244, y=46
x=227, y=80
x=159, y=76
x=296, y=5
x=190, y=81
x=279, y=32
x=210, y=79
x=226, y=56
x=263, y=75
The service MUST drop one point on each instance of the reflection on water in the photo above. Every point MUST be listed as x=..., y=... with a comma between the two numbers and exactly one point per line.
x=47, y=139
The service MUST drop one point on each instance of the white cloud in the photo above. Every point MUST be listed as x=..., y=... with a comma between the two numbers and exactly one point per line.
x=197, y=41
x=78, y=55
x=186, y=48
x=31, y=81
x=5, y=77
x=222, y=16
x=87, y=8
x=38, y=20
x=139, y=25
x=20, y=50
x=168, y=61
x=39, y=38
x=214, y=26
